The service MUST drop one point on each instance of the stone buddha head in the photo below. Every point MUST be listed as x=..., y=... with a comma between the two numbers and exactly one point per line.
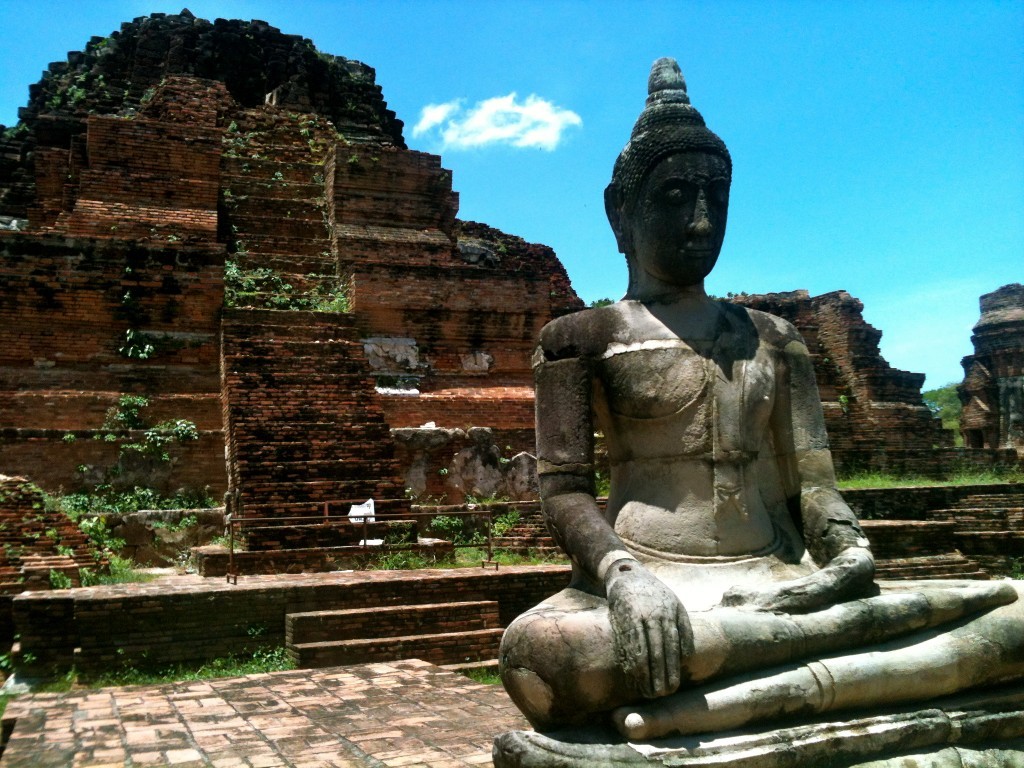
x=669, y=195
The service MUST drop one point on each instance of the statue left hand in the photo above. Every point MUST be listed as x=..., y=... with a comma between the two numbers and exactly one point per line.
x=845, y=577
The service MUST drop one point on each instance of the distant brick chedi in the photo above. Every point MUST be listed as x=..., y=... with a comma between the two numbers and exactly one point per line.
x=992, y=391
x=185, y=208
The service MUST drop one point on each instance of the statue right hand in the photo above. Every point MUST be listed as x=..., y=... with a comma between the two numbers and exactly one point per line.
x=650, y=626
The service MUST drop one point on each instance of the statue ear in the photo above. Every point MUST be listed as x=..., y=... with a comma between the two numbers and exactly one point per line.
x=613, y=208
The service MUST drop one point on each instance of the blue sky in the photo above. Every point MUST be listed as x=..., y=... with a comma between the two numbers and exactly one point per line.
x=878, y=147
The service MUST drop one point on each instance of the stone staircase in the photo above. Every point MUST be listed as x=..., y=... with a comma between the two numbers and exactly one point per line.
x=306, y=432
x=273, y=194
x=949, y=566
x=529, y=536
x=441, y=633
x=918, y=549
x=989, y=526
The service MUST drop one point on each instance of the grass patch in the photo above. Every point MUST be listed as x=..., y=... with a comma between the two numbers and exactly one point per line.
x=463, y=557
x=882, y=480
x=265, y=660
x=485, y=676
x=123, y=570
x=470, y=557
x=960, y=477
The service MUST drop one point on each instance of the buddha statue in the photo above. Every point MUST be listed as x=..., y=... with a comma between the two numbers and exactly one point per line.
x=727, y=582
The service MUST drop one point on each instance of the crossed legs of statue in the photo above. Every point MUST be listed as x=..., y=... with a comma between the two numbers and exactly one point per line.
x=559, y=664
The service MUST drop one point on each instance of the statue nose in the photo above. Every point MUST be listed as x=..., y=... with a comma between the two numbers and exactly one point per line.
x=701, y=224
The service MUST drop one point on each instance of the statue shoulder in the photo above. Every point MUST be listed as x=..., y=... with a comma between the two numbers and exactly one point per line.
x=774, y=330
x=583, y=334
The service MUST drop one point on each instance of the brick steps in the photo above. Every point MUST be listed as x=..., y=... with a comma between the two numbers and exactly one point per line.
x=953, y=566
x=440, y=648
x=297, y=258
x=310, y=386
x=339, y=533
x=295, y=173
x=1014, y=498
x=441, y=633
x=308, y=248
x=213, y=561
x=292, y=326
x=909, y=538
x=528, y=536
x=296, y=225
x=360, y=623
x=248, y=212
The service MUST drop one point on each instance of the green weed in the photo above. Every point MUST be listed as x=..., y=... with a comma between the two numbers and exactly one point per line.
x=485, y=676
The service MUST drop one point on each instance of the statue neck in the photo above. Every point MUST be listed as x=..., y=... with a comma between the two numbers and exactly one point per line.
x=650, y=290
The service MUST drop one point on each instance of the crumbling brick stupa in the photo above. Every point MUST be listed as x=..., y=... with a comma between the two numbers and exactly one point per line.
x=188, y=209
x=992, y=391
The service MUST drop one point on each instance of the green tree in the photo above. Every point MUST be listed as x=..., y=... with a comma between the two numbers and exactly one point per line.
x=945, y=403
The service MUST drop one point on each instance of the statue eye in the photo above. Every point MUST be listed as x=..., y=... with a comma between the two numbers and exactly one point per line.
x=674, y=195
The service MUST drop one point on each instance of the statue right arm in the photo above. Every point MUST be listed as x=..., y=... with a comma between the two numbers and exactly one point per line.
x=651, y=630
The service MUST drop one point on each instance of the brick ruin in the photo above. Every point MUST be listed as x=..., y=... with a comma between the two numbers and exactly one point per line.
x=38, y=546
x=177, y=155
x=992, y=391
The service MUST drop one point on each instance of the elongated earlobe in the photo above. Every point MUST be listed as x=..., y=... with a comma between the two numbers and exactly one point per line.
x=613, y=209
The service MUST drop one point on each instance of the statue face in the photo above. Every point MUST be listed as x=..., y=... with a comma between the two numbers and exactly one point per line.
x=677, y=222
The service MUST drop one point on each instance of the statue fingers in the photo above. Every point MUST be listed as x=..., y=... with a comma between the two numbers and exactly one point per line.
x=673, y=655
x=630, y=648
x=654, y=685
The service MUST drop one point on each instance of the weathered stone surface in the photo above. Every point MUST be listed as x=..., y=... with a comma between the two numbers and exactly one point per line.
x=449, y=465
x=162, y=538
x=987, y=730
x=992, y=391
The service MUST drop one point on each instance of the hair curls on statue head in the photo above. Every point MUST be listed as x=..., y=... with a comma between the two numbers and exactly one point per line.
x=667, y=125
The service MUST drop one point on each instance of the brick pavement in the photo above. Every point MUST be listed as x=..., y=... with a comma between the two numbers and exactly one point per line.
x=404, y=713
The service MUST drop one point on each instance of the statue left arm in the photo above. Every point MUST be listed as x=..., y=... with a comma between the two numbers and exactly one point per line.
x=830, y=529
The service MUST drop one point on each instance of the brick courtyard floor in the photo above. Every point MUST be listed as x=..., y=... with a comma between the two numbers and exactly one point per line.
x=405, y=713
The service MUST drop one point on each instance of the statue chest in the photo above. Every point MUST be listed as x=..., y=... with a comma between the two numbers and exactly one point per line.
x=664, y=397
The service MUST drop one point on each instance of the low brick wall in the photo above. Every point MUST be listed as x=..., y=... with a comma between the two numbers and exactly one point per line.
x=188, y=620
x=214, y=560
x=917, y=503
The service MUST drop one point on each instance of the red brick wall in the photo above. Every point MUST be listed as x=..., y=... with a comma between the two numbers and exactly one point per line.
x=63, y=316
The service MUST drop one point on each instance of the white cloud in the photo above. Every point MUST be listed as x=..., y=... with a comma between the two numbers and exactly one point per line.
x=534, y=122
x=435, y=114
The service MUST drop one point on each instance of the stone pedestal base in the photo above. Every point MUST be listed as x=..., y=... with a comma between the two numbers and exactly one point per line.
x=980, y=730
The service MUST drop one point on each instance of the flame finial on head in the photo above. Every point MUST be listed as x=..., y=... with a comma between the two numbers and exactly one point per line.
x=667, y=124
x=666, y=76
